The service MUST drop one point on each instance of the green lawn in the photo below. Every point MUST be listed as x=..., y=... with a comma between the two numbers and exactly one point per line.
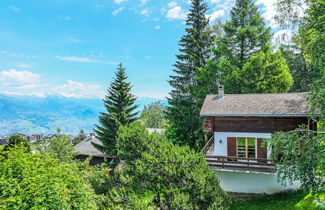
x=288, y=200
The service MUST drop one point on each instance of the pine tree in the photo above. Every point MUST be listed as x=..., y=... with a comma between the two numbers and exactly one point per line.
x=120, y=106
x=183, y=112
x=245, y=34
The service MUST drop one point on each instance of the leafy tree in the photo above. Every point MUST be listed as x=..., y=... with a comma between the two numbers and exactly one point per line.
x=245, y=34
x=173, y=177
x=120, y=107
x=17, y=141
x=183, y=112
x=263, y=73
x=153, y=115
x=33, y=181
x=58, y=147
x=298, y=64
x=81, y=136
x=299, y=155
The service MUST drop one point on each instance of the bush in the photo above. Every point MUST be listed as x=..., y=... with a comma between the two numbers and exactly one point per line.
x=33, y=181
x=58, y=147
x=299, y=155
x=173, y=177
x=17, y=141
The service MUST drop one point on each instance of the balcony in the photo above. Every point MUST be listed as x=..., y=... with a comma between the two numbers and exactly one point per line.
x=240, y=164
x=230, y=163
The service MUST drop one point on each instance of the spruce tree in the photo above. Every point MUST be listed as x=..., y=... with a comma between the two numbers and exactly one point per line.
x=120, y=110
x=245, y=34
x=183, y=112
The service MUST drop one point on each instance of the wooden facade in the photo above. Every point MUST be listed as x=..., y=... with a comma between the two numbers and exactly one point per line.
x=254, y=124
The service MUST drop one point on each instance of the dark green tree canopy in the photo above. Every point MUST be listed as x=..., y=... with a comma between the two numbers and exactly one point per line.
x=120, y=110
x=245, y=33
x=263, y=73
x=183, y=112
x=17, y=141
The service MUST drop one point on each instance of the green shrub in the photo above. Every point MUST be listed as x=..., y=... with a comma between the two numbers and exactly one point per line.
x=175, y=177
x=17, y=141
x=58, y=147
x=33, y=181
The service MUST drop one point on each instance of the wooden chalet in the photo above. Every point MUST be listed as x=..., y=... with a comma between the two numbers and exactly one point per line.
x=239, y=123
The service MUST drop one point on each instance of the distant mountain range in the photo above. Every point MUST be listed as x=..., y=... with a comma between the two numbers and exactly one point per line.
x=31, y=114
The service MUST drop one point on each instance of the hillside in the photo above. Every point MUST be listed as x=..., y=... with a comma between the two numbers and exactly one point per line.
x=31, y=114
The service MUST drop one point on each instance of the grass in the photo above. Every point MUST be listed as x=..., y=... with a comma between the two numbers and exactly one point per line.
x=281, y=201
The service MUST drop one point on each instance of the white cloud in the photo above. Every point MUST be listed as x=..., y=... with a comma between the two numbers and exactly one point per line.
x=19, y=79
x=76, y=59
x=214, y=1
x=120, y=1
x=282, y=36
x=14, y=8
x=37, y=94
x=117, y=11
x=145, y=12
x=176, y=13
x=78, y=90
x=215, y=15
x=144, y=1
x=157, y=27
x=172, y=4
x=22, y=65
x=269, y=11
x=152, y=95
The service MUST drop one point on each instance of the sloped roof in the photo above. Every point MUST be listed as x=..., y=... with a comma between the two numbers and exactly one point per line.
x=276, y=104
x=86, y=148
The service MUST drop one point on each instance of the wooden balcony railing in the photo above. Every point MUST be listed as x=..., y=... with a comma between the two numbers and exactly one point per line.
x=240, y=164
x=208, y=145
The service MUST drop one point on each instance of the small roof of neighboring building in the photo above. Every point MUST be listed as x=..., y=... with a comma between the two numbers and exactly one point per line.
x=274, y=104
x=85, y=147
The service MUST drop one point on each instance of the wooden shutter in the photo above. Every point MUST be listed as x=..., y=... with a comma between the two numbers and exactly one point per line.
x=208, y=124
x=261, y=149
x=231, y=146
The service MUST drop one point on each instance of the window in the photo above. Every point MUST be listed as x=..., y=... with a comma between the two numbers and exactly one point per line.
x=246, y=147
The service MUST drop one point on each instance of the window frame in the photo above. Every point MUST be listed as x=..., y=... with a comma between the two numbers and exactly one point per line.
x=246, y=147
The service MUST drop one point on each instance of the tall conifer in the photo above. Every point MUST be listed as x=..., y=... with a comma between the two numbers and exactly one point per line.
x=120, y=110
x=245, y=34
x=183, y=112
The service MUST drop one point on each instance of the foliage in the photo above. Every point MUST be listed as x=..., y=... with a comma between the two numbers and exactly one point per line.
x=58, y=147
x=281, y=201
x=299, y=64
x=314, y=33
x=317, y=101
x=184, y=103
x=81, y=136
x=17, y=141
x=119, y=104
x=153, y=115
x=33, y=181
x=263, y=73
x=299, y=155
x=133, y=141
x=245, y=33
x=243, y=60
x=174, y=177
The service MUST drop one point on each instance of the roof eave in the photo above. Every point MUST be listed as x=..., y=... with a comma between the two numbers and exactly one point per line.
x=254, y=115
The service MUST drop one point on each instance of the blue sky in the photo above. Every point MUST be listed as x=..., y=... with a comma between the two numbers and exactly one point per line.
x=71, y=47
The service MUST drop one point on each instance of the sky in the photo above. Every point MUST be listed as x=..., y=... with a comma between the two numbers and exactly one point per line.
x=72, y=47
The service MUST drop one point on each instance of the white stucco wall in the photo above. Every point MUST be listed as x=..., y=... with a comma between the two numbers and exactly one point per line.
x=250, y=182
x=220, y=140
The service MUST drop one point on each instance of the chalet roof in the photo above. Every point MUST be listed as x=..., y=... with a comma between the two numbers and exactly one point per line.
x=275, y=104
x=86, y=148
